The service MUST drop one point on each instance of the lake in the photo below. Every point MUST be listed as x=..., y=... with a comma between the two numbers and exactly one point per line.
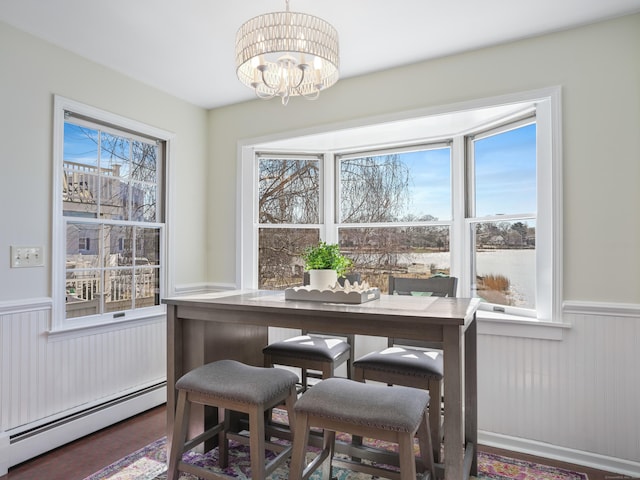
x=518, y=266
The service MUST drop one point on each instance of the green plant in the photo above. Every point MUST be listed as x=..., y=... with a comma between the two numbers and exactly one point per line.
x=326, y=256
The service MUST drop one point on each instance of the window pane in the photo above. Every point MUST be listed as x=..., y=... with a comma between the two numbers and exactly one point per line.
x=505, y=263
x=144, y=162
x=279, y=262
x=114, y=194
x=118, y=246
x=80, y=172
x=143, y=202
x=147, y=286
x=147, y=246
x=117, y=295
x=82, y=295
x=505, y=172
x=407, y=186
x=289, y=191
x=115, y=155
x=83, y=246
x=405, y=251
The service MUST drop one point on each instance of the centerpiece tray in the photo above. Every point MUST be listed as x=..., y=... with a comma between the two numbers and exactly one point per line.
x=332, y=296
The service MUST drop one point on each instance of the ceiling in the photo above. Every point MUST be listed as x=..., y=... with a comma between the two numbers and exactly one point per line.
x=186, y=47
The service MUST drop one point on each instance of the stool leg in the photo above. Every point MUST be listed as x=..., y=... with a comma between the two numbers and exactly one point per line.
x=257, y=442
x=426, y=450
x=224, y=415
x=289, y=403
x=435, y=423
x=300, y=441
x=179, y=434
x=407, y=457
x=328, y=443
x=358, y=376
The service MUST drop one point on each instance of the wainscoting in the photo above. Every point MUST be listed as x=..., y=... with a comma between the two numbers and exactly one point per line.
x=54, y=389
x=574, y=399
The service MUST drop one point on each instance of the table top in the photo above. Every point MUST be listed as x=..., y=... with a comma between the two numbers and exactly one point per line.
x=395, y=308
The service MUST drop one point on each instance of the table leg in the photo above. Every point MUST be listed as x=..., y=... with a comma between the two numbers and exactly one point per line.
x=174, y=366
x=471, y=392
x=453, y=411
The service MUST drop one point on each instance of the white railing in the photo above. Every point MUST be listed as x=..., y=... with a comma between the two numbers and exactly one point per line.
x=118, y=288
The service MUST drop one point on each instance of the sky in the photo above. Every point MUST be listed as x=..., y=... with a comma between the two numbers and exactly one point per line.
x=505, y=176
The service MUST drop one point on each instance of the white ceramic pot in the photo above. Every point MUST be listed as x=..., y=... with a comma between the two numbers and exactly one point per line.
x=322, y=279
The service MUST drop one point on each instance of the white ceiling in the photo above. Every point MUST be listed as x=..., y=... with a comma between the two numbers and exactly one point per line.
x=186, y=47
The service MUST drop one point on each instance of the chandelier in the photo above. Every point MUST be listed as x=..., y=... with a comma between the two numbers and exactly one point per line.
x=287, y=54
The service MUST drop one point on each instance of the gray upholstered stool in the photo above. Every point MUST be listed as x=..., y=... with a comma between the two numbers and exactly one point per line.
x=231, y=385
x=392, y=414
x=410, y=367
x=311, y=351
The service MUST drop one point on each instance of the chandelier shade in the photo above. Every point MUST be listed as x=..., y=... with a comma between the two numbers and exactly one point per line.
x=287, y=54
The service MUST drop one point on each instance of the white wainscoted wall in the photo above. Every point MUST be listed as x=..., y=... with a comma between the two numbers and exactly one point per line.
x=57, y=388
x=574, y=399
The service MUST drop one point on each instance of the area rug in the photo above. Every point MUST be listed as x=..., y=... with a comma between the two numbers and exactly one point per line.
x=149, y=463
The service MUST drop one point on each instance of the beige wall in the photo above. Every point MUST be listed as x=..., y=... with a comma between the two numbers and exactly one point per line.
x=598, y=67
x=32, y=72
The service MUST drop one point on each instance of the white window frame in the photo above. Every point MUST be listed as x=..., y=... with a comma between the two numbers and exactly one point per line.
x=549, y=208
x=107, y=321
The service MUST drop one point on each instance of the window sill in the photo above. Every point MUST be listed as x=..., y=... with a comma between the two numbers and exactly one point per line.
x=72, y=330
x=490, y=323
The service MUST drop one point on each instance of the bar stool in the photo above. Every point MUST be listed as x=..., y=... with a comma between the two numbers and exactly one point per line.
x=392, y=414
x=231, y=385
x=314, y=351
x=412, y=363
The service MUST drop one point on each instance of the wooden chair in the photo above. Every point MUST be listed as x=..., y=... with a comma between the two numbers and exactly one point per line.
x=316, y=354
x=409, y=362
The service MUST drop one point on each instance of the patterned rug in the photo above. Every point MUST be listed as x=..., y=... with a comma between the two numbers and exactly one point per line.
x=149, y=463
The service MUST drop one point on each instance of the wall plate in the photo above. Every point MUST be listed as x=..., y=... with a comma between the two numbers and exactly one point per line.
x=26, y=257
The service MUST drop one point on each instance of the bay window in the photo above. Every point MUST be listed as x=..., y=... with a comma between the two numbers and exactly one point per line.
x=480, y=202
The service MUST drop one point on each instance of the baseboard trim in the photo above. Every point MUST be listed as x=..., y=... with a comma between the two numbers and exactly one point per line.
x=14, y=451
x=562, y=454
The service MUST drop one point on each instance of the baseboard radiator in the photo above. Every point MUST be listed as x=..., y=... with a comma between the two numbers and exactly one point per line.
x=26, y=444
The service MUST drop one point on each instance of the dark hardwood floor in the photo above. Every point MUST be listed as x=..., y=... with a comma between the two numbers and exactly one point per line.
x=87, y=455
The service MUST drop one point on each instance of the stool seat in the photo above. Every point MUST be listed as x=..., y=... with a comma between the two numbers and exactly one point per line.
x=399, y=409
x=392, y=414
x=231, y=380
x=406, y=361
x=231, y=386
x=309, y=347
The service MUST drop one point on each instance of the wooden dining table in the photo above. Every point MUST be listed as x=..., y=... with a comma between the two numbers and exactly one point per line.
x=234, y=325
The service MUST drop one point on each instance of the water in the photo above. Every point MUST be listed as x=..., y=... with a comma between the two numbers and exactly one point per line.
x=517, y=265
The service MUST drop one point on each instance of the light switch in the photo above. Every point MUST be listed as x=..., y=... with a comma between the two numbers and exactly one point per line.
x=26, y=257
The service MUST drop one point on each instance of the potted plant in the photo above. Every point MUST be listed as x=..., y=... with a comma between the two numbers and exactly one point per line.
x=325, y=264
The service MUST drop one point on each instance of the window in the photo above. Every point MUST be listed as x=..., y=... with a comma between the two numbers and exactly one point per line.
x=502, y=208
x=289, y=215
x=395, y=211
x=478, y=198
x=108, y=217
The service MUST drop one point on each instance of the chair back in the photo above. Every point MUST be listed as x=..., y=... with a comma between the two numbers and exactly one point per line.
x=437, y=286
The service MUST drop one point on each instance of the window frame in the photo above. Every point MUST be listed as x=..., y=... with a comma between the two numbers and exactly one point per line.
x=107, y=320
x=547, y=102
